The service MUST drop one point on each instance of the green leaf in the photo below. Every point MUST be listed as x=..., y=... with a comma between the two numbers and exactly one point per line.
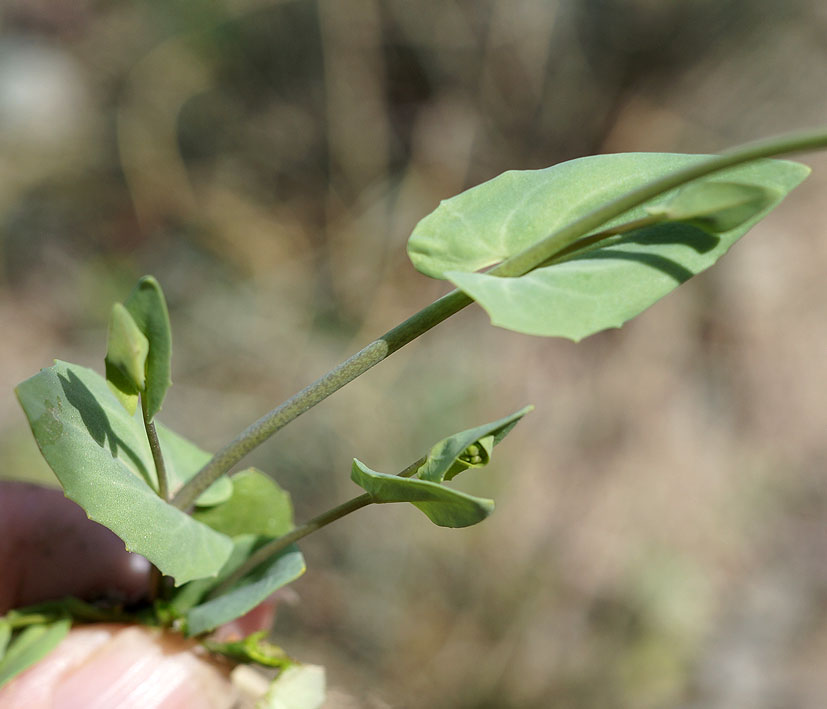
x=183, y=460
x=186, y=597
x=102, y=459
x=443, y=506
x=126, y=352
x=599, y=288
x=5, y=636
x=257, y=506
x=148, y=307
x=467, y=449
x=31, y=645
x=253, y=648
x=296, y=687
x=70, y=607
x=249, y=591
x=716, y=206
x=122, y=387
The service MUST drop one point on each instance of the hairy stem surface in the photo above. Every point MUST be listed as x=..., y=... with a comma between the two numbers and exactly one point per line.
x=258, y=432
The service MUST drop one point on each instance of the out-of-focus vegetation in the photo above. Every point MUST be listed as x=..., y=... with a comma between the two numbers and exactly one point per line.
x=660, y=533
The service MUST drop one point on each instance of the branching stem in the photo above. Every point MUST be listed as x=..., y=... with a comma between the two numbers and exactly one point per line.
x=454, y=301
x=311, y=395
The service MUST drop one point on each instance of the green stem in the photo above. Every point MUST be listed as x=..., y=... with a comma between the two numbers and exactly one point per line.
x=275, y=546
x=157, y=455
x=584, y=244
x=335, y=379
x=453, y=302
x=155, y=583
x=545, y=249
x=155, y=575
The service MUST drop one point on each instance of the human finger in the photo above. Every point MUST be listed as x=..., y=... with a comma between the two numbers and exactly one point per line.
x=50, y=549
x=126, y=666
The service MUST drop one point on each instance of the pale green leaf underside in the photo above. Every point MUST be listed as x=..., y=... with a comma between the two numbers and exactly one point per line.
x=444, y=506
x=102, y=459
x=257, y=505
x=596, y=290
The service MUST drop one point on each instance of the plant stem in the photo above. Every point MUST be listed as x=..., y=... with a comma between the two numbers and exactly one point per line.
x=275, y=546
x=335, y=379
x=448, y=305
x=157, y=455
x=600, y=239
x=155, y=575
x=154, y=583
x=543, y=250
x=279, y=544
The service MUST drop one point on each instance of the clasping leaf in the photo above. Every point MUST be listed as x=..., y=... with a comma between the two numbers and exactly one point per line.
x=619, y=278
x=467, y=449
x=443, y=505
x=716, y=206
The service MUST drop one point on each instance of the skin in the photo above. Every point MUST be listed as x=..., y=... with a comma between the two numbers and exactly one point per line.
x=49, y=549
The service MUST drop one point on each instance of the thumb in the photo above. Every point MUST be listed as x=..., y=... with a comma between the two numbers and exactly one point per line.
x=103, y=666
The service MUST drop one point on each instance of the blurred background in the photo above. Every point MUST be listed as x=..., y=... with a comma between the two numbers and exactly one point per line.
x=659, y=539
